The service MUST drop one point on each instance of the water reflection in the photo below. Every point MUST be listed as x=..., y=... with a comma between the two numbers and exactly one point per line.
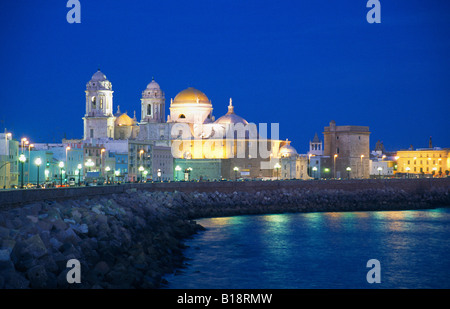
x=320, y=250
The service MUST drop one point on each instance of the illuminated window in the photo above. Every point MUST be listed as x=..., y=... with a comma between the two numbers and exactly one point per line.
x=182, y=116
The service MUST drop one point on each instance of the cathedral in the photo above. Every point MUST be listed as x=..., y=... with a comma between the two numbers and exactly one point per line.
x=208, y=148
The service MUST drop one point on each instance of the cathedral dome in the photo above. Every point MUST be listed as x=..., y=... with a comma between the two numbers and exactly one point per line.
x=124, y=120
x=231, y=117
x=191, y=96
x=98, y=76
x=287, y=150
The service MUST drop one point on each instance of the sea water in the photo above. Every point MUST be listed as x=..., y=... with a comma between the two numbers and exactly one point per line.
x=319, y=251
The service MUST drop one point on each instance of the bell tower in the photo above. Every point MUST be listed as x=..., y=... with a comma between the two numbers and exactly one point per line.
x=99, y=118
x=153, y=104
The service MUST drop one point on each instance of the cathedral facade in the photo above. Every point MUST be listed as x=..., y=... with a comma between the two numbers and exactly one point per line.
x=190, y=132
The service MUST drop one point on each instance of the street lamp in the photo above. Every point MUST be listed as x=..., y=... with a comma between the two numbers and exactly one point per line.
x=348, y=171
x=188, y=171
x=327, y=170
x=407, y=171
x=159, y=174
x=379, y=171
x=145, y=175
x=101, y=160
x=22, y=160
x=61, y=165
x=334, y=166
x=29, y=159
x=38, y=163
x=117, y=173
x=177, y=169
x=89, y=163
x=236, y=170
x=141, y=169
x=277, y=167
x=79, y=166
x=314, y=170
x=107, y=169
x=362, y=169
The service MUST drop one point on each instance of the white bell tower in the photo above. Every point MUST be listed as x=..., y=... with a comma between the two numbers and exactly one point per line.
x=99, y=119
x=153, y=104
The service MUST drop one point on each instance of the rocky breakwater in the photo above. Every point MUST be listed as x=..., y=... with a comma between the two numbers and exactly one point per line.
x=127, y=240
x=130, y=240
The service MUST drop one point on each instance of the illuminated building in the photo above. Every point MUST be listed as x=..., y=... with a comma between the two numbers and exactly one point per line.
x=423, y=161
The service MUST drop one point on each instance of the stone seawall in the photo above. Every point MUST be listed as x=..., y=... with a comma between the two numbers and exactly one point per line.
x=12, y=198
x=131, y=239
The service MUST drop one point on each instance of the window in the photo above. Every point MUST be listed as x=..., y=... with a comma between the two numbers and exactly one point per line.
x=149, y=110
x=337, y=151
x=101, y=103
x=94, y=104
x=92, y=133
x=337, y=137
x=182, y=116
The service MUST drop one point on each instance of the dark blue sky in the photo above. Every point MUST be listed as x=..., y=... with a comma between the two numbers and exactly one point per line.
x=298, y=63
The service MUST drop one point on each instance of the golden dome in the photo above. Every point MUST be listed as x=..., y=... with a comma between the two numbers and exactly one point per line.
x=190, y=96
x=124, y=120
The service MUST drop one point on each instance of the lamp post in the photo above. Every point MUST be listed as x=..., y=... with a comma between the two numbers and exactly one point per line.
x=407, y=171
x=79, y=166
x=327, y=170
x=61, y=166
x=236, y=170
x=145, y=175
x=362, y=168
x=277, y=167
x=107, y=169
x=379, y=171
x=101, y=160
x=89, y=163
x=348, y=172
x=67, y=162
x=38, y=163
x=22, y=160
x=117, y=173
x=177, y=169
x=334, y=166
x=141, y=169
x=29, y=159
x=159, y=174
x=315, y=171
x=188, y=171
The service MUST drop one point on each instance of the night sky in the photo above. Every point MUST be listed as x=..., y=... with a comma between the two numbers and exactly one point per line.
x=298, y=63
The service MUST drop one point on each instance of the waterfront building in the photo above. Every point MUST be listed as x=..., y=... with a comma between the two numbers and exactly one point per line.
x=423, y=162
x=348, y=148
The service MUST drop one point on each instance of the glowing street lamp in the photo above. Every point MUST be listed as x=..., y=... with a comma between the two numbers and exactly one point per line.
x=145, y=175
x=79, y=167
x=141, y=169
x=89, y=163
x=362, y=168
x=315, y=171
x=117, y=173
x=22, y=160
x=38, y=163
x=158, y=173
x=407, y=171
x=334, y=166
x=236, y=170
x=277, y=167
x=327, y=170
x=188, y=171
x=348, y=171
x=61, y=166
x=379, y=170
x=107, y=169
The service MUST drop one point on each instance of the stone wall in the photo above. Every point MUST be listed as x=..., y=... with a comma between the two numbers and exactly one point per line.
x=11, y=198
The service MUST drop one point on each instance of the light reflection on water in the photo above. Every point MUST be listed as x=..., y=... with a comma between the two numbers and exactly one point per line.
x=320, y=250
